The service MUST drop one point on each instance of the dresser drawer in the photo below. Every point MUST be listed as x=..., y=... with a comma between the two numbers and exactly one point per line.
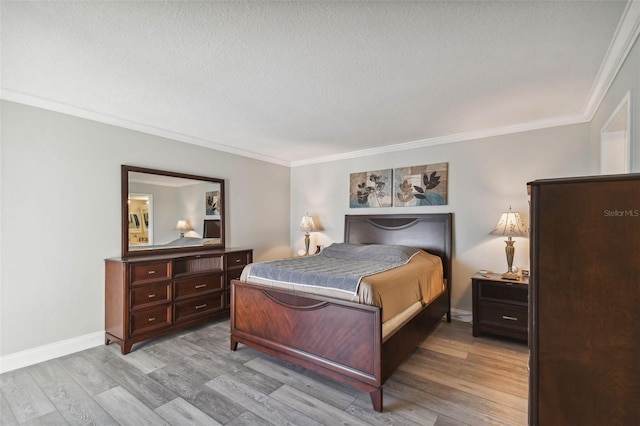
x=150, y=271
x=142, y=296
x=197, y=306
x=238, y=259
x=503, y=316
x=150, y=319
x=187, y=287
x=234, y=274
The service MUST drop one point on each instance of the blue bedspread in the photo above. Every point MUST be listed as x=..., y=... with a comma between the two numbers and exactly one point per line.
x=340, y=266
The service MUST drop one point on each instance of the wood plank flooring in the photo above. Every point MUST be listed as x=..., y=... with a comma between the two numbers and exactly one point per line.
x=192, y=378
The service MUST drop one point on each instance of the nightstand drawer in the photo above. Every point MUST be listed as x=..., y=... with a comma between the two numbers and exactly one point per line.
x=506, y=292
x=503, y=316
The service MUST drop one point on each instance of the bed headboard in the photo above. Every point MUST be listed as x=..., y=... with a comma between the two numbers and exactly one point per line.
x=430, y=232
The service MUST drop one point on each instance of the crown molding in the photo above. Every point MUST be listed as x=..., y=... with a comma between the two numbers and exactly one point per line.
x=458, y=137
x=34, y=101
x=623, y=40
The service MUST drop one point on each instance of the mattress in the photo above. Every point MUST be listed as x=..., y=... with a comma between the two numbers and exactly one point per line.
x=396, y=290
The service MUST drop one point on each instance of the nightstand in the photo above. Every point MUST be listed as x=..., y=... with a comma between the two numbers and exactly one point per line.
x=500, y=306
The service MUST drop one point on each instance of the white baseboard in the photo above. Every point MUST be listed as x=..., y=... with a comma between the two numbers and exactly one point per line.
x=461, y=315
x=54, y=350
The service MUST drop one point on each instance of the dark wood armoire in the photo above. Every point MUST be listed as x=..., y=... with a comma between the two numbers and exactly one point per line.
x=584, y=301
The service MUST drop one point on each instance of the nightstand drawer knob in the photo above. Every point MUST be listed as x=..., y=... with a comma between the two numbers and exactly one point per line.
x=510, y=318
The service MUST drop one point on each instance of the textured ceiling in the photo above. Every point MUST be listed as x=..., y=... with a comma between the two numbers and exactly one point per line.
x=298, y=82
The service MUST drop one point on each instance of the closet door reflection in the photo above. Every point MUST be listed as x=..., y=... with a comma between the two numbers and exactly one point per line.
x=140, y=219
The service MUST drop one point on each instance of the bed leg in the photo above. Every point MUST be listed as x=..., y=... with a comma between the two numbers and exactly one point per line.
x=376, y=399
x=233, y=344
x=449, y=316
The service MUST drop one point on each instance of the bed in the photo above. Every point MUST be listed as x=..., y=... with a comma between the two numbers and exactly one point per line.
x=338, y=338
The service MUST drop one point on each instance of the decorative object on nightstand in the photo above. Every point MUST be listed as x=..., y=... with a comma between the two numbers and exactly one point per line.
x=510, y=225
x=500, y=306
x=307, y=225
x=183, y=226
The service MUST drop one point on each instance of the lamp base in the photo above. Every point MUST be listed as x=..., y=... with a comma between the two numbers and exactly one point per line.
x=307, y=241
x=510, y=276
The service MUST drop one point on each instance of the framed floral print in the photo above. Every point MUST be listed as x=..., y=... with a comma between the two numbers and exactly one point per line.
x=420, y=185
x=370, y=189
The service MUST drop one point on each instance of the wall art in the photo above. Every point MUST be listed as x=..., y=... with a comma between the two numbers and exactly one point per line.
x=370, y=189
x=420, y=185
x=212, y=203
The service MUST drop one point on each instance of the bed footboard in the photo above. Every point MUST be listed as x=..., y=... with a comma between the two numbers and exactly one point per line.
x=311, y=332
x=338, y=339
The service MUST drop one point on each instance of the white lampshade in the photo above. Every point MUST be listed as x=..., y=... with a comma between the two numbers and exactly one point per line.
x=510, y=225
x=183, y=225
x=307, y=224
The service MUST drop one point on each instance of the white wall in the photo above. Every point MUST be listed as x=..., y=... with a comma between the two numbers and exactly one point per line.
x=627, y=80
x=485, y=177
x=60, y=216
x=60, y=212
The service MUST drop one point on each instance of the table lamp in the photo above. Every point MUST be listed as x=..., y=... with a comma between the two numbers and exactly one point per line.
x=307, y=226
x=510, y=225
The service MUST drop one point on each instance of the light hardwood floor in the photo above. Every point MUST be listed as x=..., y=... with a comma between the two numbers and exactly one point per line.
x=192, y=378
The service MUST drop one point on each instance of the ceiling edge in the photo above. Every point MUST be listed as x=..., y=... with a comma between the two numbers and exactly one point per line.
x=623, y=40
x=35, y=101
x=458, y=137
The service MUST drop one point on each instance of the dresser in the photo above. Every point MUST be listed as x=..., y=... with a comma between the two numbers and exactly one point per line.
x=500, y=307
x=585, y=301
x=149, y=296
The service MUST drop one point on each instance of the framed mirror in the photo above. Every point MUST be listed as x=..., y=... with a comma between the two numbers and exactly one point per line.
x=167, y=212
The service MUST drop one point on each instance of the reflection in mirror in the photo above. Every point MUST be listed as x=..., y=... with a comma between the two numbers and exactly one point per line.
x=170, y=211
x=140, y=219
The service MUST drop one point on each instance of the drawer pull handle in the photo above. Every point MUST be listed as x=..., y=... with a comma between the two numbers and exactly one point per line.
x=238, y=260
x=201, y=286
x=507, y=317
x=152, y=319
x=151, y=296
x=152, y=272
x=204, y=305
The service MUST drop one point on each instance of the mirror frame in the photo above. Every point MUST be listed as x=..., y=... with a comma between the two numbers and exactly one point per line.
x=124, y=207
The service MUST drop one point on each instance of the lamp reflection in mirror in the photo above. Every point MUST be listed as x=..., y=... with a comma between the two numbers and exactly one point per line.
x=183, y=226
x=307, y=225
x=510, y=225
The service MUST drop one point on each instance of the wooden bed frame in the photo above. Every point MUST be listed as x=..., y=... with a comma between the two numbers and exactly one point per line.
x=339, y=339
